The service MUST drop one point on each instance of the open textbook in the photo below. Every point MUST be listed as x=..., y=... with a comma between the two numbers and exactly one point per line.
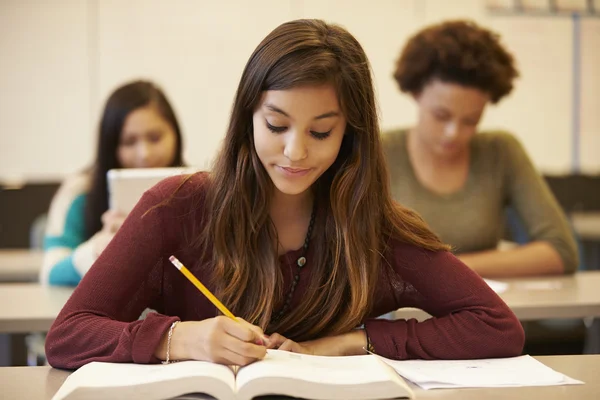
x=310, y=377
x=279, y=373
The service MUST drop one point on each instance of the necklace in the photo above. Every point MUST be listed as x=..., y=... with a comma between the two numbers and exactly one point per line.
x=300, y=262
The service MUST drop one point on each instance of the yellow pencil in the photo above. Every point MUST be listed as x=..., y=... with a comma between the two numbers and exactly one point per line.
x=201, y=287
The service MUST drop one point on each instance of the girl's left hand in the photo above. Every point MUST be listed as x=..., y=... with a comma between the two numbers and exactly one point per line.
x=352, y=343
x=279, y=342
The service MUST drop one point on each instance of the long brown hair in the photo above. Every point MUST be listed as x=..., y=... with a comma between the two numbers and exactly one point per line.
x=356, y=214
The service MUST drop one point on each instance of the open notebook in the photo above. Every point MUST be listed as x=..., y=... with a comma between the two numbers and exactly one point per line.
x=279, y=373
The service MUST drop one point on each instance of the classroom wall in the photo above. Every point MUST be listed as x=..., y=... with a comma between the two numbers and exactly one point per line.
x=61, y=58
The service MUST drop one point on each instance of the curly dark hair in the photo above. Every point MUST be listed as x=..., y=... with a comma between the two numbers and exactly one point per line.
x=458, y=52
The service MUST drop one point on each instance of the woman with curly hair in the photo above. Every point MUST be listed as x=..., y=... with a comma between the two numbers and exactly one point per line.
x=459, y=180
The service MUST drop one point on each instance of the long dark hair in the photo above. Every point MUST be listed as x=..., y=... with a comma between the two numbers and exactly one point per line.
x=356, y=214
x=119, y=105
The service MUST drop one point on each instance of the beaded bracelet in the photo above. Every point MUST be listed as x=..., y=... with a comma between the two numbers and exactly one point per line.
x=369, y=348
x=169, y=336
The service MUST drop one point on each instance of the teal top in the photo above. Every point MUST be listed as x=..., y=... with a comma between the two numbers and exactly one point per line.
x=68, y=256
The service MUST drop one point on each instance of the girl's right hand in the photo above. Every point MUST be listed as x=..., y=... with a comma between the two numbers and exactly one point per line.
x=220, y=340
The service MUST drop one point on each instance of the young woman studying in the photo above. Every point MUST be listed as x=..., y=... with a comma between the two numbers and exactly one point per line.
x=459, y=180
x=295, y=232
x=138, y=129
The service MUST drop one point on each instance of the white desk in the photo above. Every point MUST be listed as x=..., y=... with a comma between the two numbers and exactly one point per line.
x=27, y=307
x=43, y=382
x=30, y=307
x=20, y=265
x=586, y=224
x=576, y=296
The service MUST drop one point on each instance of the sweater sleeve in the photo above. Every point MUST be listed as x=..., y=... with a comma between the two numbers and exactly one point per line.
x=67, y=254
x=100, y=320
x=65, y=234
x=469, y=320
x=532, y=199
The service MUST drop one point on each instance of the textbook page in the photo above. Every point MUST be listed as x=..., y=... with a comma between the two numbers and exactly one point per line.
x=319, y=377
x=495, y=372
x=99, y=380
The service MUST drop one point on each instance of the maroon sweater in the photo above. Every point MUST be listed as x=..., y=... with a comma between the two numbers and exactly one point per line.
x=100, y=320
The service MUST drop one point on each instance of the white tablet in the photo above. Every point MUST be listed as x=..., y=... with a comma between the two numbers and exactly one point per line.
x=126, y=186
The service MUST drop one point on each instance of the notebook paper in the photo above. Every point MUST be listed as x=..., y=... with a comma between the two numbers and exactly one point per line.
x=498, y=372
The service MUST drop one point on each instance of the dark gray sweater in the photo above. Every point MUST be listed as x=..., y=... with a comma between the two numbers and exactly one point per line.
x=472, y=219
